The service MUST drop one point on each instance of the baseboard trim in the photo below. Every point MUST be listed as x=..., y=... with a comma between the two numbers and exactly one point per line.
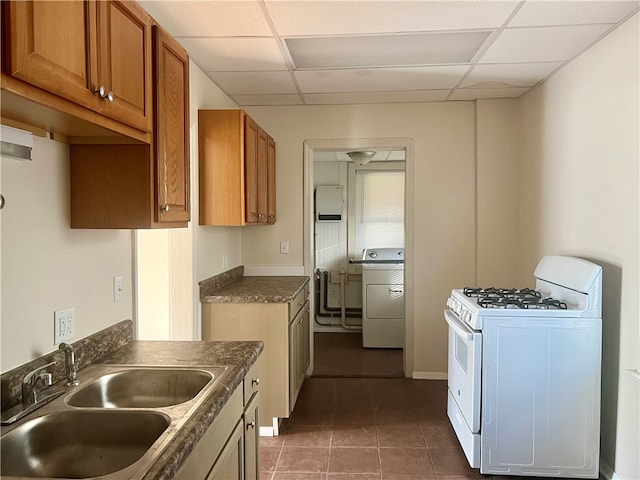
x=429, y=376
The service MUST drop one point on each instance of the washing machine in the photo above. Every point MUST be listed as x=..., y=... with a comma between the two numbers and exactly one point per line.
x=383, y=298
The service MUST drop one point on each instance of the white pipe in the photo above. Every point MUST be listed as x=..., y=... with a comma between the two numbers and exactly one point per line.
x=343, y=304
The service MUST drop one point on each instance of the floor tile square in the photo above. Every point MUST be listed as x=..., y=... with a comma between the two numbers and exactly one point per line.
x=410, y=436
x=405, y=461
x=450, y=461
x=354, y=460
x=307, y=436
x=354, y=436
x=303, y=459
x=269, y=458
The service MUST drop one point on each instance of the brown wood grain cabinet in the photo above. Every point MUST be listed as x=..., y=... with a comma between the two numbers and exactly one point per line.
x=237, y=169
x=96, y=54
x=141, y=186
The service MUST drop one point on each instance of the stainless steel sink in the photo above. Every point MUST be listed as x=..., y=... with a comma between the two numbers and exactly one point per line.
x=92, y=431
x=142, y=388
x=80, y=444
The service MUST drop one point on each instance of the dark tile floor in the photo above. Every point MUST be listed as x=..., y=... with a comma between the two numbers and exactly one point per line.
x=366, y=429
x=342, y=355
x=351, y=423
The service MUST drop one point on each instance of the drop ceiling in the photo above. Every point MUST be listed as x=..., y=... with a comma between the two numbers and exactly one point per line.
x=310, y=52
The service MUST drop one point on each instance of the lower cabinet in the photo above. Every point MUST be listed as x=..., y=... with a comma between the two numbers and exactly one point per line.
x=229, y=448
x=284, y=329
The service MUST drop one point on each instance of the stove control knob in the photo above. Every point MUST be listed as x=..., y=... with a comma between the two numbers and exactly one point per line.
x=467, y=317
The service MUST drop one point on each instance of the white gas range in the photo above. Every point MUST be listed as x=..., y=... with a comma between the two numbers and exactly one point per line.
x=524, y=372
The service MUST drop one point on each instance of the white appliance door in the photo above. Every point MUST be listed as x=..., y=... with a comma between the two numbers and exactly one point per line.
x=385, y=301
x=464, y=376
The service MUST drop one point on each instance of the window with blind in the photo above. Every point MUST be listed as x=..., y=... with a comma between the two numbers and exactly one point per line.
x=379, y=218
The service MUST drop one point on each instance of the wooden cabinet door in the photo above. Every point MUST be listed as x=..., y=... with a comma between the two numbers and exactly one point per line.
x=50, y=47
x=171, y=128
x=262, y=175
x=251, y=170
x=123, y=58
x=271, y=181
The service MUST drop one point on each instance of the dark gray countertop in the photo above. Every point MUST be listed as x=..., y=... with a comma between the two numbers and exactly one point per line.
x=262, y=289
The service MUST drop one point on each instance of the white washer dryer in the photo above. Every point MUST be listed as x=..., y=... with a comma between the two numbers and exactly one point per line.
x=383, y=298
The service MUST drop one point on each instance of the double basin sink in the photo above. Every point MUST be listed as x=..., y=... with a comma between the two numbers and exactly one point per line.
x=116, y=423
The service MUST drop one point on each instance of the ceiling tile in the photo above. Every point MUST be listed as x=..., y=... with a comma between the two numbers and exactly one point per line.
x=376, y=97
x=385, y=50
x=283, y=99
x=514, y=74
x=474, y=93
x=234, y=83
x=379, y=79
x=544, y=44
x=364, y=16
x=234, y=54
x=539, y=13
x=216, y=18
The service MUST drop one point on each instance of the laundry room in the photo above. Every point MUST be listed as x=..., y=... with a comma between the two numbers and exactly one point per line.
x=359, y=261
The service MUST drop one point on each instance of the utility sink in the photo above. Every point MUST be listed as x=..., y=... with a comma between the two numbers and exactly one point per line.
x=143, y=388
x=80, y=444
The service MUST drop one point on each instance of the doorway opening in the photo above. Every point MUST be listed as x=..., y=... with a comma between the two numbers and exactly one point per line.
x=357, y=203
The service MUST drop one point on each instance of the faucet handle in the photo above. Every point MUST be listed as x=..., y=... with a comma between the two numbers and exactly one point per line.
x=37, y=373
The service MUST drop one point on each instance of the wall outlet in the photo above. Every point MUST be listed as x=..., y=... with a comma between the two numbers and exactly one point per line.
x=284, y=247
x=117, y=288
x=225, y=262
x=64, y=325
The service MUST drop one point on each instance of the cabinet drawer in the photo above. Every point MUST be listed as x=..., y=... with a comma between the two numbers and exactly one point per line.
x=251, y=382
x=298, y=301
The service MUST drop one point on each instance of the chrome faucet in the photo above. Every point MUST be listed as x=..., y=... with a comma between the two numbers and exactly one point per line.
x=35, y=382
x=70, y=364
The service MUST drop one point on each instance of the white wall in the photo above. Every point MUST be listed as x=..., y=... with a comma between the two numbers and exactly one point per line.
x=171, y=262
x=579, y=189
x=445, y=191
x=46, y=265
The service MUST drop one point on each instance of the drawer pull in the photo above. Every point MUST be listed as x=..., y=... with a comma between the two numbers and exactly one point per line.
x=255, y=381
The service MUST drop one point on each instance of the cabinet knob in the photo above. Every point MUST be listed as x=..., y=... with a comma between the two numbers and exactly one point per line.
x=102, y=93
x=165, y=208
x=251, y=425
x=255, y=381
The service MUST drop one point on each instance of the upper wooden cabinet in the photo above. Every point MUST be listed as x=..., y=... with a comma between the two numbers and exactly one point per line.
x=237, y=169
x=96, y=54
x=171, y=128
x=141, y=186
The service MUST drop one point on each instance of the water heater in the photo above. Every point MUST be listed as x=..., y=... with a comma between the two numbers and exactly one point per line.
x=329, y=203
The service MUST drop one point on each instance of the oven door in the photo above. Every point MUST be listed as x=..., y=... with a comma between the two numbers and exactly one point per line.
x=464, y=381
x=465, y=357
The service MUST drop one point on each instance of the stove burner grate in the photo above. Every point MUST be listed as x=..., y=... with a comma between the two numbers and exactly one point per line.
x=524, y=298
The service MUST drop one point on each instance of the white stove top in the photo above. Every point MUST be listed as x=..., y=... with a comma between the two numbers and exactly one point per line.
x=578, y=296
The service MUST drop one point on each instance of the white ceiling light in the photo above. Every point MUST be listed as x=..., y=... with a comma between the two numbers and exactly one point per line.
x=440, y=48
x=362, y=157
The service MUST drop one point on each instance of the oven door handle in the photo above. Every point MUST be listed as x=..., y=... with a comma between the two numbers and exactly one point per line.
x=460, y=328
